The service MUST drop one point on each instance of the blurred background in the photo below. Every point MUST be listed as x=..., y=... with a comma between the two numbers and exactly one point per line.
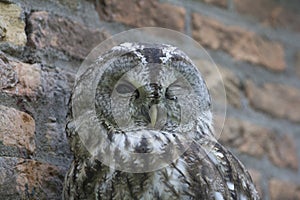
x=255, y=44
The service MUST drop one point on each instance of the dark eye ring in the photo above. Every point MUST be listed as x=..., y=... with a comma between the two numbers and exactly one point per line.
x=169, y=95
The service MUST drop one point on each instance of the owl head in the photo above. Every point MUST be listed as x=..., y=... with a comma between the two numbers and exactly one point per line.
x=148, y=102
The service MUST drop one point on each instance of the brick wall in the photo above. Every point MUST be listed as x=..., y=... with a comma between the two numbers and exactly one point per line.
x=255, y=43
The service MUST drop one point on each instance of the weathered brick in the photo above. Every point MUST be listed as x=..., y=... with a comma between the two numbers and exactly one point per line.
x=17, y=129
x=256, y=177
x=214, y=78
x=219, y=3
x=143, y=13
x=240, y=43
x=29, y=179
x=47, y=30
x=278, y=100
x=282, y=151
x=242, y=135
x=19, y=78
x=8, y=74
x=12, y=28
x=232, y=87
x=272, y=13
x=258, y=141
x=280, y=190
x=8, y=178
x=37, y=180
x=29, y=78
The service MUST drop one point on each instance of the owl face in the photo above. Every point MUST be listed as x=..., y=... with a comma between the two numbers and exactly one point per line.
x=150, y=88
x=148, y=104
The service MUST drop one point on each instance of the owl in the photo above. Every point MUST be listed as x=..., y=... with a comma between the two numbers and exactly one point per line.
x=140, y=126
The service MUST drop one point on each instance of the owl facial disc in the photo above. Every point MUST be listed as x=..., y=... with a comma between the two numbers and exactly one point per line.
x=138, y=106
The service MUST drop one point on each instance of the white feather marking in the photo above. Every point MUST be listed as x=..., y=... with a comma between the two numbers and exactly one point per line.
x=213, y=158
x=243, y=197
x=167, y=51
x=127, y=44
x=157, y=182
x=219, y=154
x=243, y=184
x=142, y=57
x=218, y=196
x=230, y=185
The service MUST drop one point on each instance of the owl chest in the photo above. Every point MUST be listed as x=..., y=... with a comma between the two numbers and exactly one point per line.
x=167, y=183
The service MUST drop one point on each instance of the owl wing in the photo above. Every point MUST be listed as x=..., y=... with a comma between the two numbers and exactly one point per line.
x=219, y=174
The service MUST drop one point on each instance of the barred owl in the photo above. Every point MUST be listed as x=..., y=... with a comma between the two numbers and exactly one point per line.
x=140, y=127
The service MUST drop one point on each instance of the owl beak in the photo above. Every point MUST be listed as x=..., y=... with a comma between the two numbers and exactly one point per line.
x=153, y=115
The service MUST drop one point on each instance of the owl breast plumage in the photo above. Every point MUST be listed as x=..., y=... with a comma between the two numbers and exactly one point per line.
x=145, y=131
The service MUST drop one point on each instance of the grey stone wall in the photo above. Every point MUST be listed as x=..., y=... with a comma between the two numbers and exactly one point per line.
x=256, y=45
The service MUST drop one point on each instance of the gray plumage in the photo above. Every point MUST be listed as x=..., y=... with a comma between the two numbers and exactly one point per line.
x=154, y=111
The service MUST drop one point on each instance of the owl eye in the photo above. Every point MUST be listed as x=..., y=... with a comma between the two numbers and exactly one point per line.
x=178, y=88
x=125, y=88
x=175, y=87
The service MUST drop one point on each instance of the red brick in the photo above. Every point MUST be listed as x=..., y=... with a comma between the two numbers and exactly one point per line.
x=232, y=87
x=257, y=141
x=47, y=30
x=278, y=100
x=282, y=151
x=280, y=190
x=17, y=129
x=240, y=43
x=231, y=83
x=143, y=13
x=271, y=13
x=244, y=136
